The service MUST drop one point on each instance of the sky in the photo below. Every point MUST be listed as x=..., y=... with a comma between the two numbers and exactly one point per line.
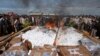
x=52, y=6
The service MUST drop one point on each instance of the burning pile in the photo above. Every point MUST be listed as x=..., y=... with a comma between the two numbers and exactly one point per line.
x=40, y=37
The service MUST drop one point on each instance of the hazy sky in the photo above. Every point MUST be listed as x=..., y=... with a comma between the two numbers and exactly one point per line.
x=68, y=6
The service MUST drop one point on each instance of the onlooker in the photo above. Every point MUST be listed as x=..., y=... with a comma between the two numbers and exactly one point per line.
x=17, y=25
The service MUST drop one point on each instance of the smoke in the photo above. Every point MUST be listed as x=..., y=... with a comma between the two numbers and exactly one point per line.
x=37, y=4
x=57, y=6
x=25, y=2
x=61, y=7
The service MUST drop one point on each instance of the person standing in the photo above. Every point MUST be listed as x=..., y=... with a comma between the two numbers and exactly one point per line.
x=1, y=29
x=22, y=20
x=94, y=28
x=17, y=25
x=3, y=26
x=33, y=20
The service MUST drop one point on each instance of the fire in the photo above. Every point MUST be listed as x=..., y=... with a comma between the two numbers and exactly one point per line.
x=50, y=25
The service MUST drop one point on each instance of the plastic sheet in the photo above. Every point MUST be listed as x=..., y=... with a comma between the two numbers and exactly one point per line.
x=69, y=37
x=15, y=53
x=39, y=36
x=46, y=54
x=90, y=45
x=94, y=48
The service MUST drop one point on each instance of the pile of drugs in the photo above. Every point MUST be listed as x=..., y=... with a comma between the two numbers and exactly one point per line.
x=69, y=37
x=40, y=42
x=40, y=37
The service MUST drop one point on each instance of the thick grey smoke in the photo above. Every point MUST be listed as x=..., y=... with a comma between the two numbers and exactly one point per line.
x=55, y=6
x=37, y=4
x=61, y=7
x=25, y=2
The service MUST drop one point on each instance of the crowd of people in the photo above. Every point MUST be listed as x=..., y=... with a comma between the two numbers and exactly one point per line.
x=88, y=23
x=14, y=23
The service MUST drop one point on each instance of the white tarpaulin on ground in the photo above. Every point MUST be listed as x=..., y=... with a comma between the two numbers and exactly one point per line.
x=39, y=36
x=69, y=37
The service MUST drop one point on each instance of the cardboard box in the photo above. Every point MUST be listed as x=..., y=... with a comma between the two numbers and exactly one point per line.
x=43, y=51
x=74, y=51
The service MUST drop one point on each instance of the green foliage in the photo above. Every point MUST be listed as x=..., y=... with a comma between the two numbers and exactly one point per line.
x=71, y=24
x=27, y=23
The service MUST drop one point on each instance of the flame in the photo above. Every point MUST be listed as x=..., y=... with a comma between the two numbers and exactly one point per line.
x=50, y=25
